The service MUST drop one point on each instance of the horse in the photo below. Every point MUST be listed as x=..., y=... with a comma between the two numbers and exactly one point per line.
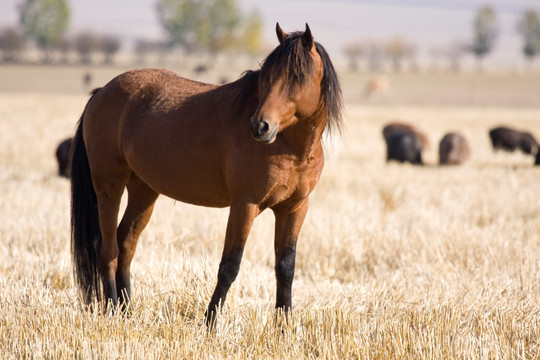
x=454, y=149
x=376, y=87
x=404, y=147
x=63, y=157
x=250, y=145
x=509, y=139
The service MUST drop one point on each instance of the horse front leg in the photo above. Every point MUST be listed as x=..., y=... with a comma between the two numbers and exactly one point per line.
x=288, y=223
x=241, y=218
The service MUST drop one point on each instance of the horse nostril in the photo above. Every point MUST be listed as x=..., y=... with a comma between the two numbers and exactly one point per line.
x=263, y=128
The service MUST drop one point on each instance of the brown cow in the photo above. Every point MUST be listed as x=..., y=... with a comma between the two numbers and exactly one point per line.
x=454, y=149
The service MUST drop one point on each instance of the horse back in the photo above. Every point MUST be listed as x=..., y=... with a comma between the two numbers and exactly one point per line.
x=155, y=124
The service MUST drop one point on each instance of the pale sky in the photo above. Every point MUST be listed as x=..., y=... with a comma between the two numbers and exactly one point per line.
x=427, y=23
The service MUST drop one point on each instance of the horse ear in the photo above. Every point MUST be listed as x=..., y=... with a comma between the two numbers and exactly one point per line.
x=281, y=35
x=307, y=38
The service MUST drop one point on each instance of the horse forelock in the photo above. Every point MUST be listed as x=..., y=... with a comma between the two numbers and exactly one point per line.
x=291, y=60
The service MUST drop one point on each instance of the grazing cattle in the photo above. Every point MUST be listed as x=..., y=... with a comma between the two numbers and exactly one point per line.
x=404, y=147
x=510, y=140
x=200, y=69
x=87, y=80
x=392, y=128
x=454, y=149
x=63, y=156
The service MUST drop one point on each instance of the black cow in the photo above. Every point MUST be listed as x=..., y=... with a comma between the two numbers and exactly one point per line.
x=510, y=140
x=404, y=147
x=395, y=127
x=63, y=156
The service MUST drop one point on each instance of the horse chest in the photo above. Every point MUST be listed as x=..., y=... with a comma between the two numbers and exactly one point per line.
x=291, y=182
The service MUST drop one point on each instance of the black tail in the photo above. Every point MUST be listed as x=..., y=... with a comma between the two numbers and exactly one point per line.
x=85, y=231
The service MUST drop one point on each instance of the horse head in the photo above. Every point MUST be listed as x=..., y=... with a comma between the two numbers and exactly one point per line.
x=289, y=85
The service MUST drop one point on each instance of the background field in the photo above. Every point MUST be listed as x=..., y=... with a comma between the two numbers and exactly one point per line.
x=393, y=261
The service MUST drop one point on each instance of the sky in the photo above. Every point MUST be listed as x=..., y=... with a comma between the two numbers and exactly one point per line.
x=334, y=23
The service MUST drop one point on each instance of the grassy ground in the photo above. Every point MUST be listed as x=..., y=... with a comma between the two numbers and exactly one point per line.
x=394, y=261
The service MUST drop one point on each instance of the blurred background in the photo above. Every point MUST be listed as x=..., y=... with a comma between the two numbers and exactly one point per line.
x=386, y=42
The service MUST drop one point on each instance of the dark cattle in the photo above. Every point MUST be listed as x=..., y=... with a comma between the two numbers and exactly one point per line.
x=453, y=149
x=510, y=140
x=537, y=160
x=392, y=128
x=404, y=147
x=200, y=69
x=63, y=156
x=87, y=80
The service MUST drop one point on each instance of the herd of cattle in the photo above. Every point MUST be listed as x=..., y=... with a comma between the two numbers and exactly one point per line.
x=405, y=143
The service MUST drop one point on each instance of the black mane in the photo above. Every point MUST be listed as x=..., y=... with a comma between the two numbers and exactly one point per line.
x=292, y=59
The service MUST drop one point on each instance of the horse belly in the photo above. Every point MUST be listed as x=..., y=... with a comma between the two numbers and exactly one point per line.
x=188, y=185
x=180, y=173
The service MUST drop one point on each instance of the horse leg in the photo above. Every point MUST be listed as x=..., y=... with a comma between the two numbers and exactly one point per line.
x=288, y=224
x=141, y=200
x=241, y=218
x=109, y=193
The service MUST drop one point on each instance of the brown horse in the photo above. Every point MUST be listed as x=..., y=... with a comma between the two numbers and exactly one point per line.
x=251, y=144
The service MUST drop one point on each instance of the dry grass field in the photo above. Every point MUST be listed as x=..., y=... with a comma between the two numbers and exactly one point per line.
x=393, y=262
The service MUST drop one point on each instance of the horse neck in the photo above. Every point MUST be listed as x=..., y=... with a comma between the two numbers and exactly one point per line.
x=305, y=136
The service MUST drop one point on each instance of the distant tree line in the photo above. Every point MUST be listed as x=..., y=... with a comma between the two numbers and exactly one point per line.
x=399, y=52
x=190, y=25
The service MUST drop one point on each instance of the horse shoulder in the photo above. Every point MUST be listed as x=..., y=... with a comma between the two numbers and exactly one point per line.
x=308, y=173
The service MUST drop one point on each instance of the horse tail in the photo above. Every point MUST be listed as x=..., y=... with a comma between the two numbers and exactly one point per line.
x=85, y=230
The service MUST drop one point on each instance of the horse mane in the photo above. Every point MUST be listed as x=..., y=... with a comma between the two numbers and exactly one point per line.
x=293, y=60
x=331, y=92
x=249, y=80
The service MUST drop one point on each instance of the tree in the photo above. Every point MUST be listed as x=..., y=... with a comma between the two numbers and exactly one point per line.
x=109, y=46
x=529, y=28
x=486, y=30
x=63, y=46
x=144, y=47
x=192, y=24
x=397, y=50
x=354, y=52
x=253, y=32
x=375, y=56
x=11, y=44
x=454, y=53
x=44, y=21
x=180, y=19
x=85, y=44
x=220, y=24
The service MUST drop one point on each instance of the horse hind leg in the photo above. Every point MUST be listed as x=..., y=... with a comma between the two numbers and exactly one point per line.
x=109, y=192
x=141, y=200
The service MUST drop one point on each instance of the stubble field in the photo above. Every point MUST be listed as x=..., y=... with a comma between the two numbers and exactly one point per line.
x=393, y=261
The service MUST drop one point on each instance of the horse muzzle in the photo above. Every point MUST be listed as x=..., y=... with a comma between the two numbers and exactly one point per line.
x=263, y=131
